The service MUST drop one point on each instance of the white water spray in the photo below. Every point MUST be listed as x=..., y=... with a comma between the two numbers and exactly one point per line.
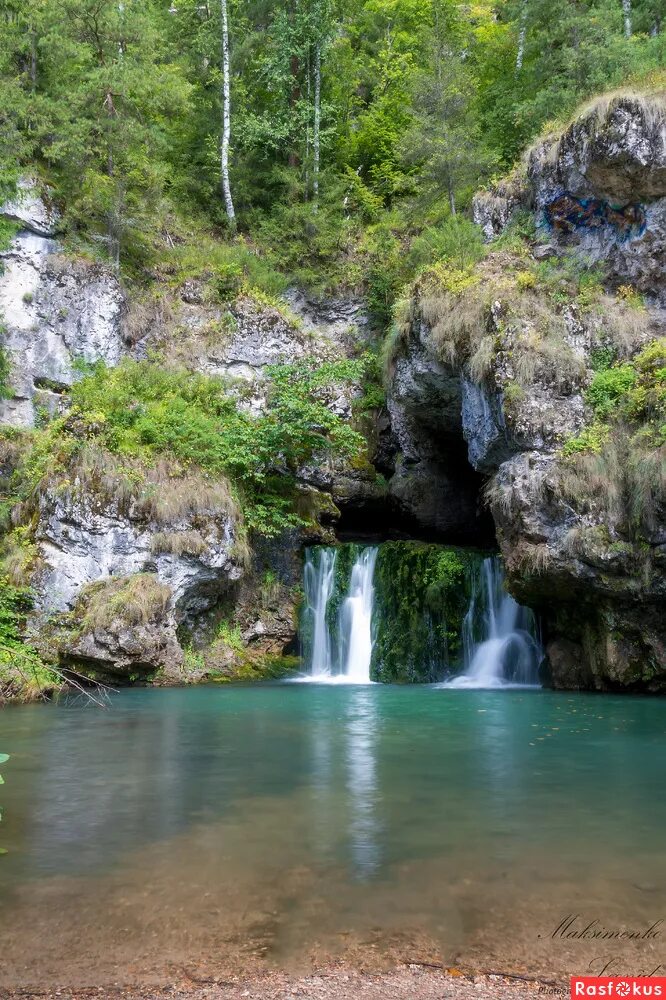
x=356, y=619
x=499, y=636
x=319, y=578
x=342, y=653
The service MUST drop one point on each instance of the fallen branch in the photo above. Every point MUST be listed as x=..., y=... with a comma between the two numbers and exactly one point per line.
x=524, y=979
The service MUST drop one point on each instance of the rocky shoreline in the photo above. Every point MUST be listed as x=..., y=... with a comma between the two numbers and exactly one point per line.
x=407, y=982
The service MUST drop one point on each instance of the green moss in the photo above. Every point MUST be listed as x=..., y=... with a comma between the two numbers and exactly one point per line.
x=254, y=667
x=422, y=593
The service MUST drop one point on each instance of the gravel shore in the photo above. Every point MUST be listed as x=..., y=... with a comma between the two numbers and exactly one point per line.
x=403, y=983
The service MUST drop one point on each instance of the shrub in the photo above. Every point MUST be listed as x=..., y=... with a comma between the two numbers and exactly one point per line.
x=8, y=231
x=457, y=241
x=5, y=371
x=608, y=386
x=23, y=675
x=602, y=358
x=526, y=279
x=172, y=441
x=592, y=439
x=229, y=635
x=629, y=295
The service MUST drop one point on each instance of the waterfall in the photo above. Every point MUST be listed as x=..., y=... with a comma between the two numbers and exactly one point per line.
x=500, y=641
x=356, y=619
x=338, y=647
x=318, y=582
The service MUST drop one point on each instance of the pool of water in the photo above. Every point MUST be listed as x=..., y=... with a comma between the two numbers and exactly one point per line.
x=229, y=828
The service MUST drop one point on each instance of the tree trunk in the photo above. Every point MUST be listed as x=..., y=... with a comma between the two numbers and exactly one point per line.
x=33, y=61
x=294, y=98
x=626, y=10
x=452, y=197
x=114, y=216
x=522, y=34
x=308, y=77
x=317, y=122
x=226, y=118
x=121, y=46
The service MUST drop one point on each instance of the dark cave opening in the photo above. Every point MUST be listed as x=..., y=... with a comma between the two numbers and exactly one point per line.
x=438, y=499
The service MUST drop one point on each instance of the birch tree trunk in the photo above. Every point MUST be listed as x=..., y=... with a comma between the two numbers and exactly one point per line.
x=522, y=34
x=33, y=60
x=317, y=123
x=452, y=197
x=308, y=75
x=114, y=216
x=626, y=9
x=226, y=118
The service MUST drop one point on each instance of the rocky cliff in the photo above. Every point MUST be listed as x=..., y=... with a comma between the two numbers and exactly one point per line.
x=54, y=308
x=525, y=404
x=548, y=359
x=140, y=566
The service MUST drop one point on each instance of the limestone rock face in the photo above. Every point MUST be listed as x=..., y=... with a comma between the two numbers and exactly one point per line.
x=239, y=343
x=121, y=650
x=577, y=566
x=601, y=188
x=599, y=191
x=83, y=538
x=433, y=485
x=121, y=628
x=484, y=426
x=54, y=311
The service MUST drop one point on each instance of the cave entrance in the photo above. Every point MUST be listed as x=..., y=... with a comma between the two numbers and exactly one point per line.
x=436, y=496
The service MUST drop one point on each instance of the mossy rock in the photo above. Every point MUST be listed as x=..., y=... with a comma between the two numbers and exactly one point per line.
x=422, y=593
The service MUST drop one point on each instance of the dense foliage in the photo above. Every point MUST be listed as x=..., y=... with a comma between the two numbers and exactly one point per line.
x=21, y=670
x=629, y=394
x=422, y=595
x=354, y=125
x=141, y=411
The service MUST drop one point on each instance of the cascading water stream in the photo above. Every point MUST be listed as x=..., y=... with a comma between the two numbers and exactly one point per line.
x=356, y=619
x=341, y=650
x=318, y=582
x=499, y=636
x=342, y=620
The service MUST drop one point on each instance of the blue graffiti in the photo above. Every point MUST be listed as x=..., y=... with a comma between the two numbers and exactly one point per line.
x=567, y=214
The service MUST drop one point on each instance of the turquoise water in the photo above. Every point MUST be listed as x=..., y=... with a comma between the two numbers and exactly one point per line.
x=272, y=821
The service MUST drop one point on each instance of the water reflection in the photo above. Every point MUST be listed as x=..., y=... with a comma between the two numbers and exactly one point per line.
x=344, y=783
x=361, y=753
